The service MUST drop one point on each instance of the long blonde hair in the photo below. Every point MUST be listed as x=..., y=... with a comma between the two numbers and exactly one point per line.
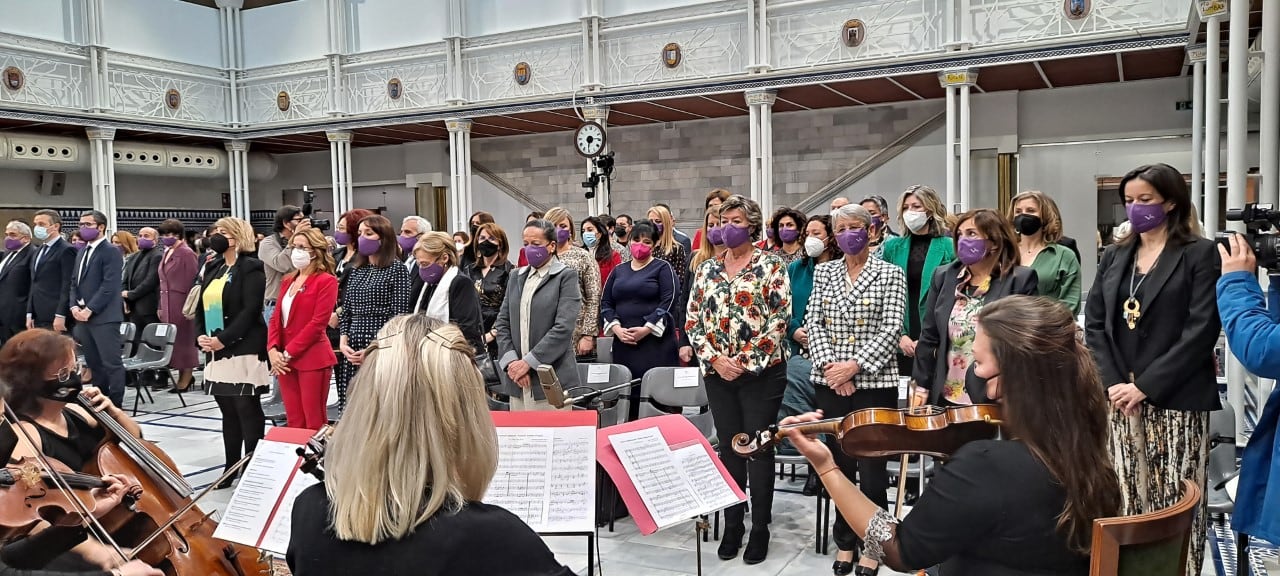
x=416, y=438
x=667, y=240
x=939, y=221
x=706, y=250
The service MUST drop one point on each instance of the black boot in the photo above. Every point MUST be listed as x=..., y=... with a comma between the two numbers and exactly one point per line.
x=731, y=541
x=757, y=546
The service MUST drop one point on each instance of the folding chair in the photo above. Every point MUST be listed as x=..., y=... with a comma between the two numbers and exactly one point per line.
x=154, y=351
x=128, y=331
x=273, y=405
x=612, y=406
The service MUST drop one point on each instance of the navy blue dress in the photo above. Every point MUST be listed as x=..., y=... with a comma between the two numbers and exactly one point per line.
x=644, y=297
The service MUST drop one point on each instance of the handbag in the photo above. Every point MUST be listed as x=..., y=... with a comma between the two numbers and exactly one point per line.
x=488, y=370
x=192, y=305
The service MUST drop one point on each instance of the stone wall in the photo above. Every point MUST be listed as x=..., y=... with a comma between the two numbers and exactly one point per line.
x=678, y=163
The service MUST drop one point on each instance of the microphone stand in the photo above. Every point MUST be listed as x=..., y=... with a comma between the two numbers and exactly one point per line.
x=595, y=393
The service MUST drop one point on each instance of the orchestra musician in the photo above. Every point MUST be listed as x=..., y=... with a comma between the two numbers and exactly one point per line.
x=1022, y=505
x=406, y=468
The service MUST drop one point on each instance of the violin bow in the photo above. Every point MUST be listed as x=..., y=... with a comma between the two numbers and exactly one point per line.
x=189, y=505
x=903, y=460
x=61, y=484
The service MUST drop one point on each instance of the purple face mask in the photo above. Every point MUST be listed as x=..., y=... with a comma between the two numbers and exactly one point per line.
x=537, y=255
x=12, y=244
x=788, y=235
x=657, y=225
x=432, y=273
x=562, y=235
x=971, y=250
x=735, y=236
x=146, y=243
x=770, y=233
x=715, y=235
x=342, y=238
x=169, y=241
x=1145, y=217
x=406, y=243
x=89, y=234
x=79, y=245
x=368, y=246
x=852, y=242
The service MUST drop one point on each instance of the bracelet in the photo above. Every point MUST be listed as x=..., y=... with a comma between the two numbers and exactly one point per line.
x=879, y=531
x=833, y=468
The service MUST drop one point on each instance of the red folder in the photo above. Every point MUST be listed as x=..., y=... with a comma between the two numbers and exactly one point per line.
x=546, y=418
x=679, y=432
x=285, y=435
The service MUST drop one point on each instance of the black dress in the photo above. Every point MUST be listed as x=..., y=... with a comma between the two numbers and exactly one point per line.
x=916, y=283
x=77, y=447
x=479, y=539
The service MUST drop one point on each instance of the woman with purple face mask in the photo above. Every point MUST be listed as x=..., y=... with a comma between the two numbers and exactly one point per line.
x=440, y=289
x=374, y=290
x=787, y=226
x=986, y=269
x=1151, y=320
x=587, y=327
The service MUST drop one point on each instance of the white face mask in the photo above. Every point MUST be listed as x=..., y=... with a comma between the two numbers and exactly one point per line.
x=916, y=221
x=300, y=258
x=814, y=247
x=460, y=246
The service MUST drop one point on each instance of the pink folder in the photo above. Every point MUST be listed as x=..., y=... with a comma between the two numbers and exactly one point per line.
x=546, y=418
x=285, y=435
x=679, y=432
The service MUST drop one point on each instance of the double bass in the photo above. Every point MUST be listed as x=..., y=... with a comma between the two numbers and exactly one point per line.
x=167, y=530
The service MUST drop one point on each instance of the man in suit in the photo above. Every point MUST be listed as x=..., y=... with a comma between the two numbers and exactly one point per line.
x=142, y=285
x=411, y=230
x=15, y=279
x=51, y=269
x=97, y=306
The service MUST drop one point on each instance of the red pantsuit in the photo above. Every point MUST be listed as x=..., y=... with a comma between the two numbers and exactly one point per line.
x=301, y=335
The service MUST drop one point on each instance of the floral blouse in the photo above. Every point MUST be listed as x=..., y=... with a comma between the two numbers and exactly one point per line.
x=744, y=317
x=588, y=271
x=961, y=331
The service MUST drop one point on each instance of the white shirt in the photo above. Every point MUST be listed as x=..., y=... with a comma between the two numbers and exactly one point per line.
x=286, y=304
x=88, y=253
x=4, y=263
x=536, y=276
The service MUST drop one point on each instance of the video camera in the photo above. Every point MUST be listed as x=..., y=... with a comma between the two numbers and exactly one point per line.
x=1259, y=221
x=308, y=210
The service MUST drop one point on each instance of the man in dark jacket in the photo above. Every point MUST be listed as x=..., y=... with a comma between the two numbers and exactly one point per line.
x=142, y=286
x=15, y=279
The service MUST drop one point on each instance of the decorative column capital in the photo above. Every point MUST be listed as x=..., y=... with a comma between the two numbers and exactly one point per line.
x=963, y=77
x=338, y=135
x=237, y=145
x=458, y=125
x=761, y=97
x=101, y=133
x=598, y=113
x=233, y=4
x=1213, y=9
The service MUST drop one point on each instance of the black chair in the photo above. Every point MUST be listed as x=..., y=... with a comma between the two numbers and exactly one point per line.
x=154, y=352
x=128, y=332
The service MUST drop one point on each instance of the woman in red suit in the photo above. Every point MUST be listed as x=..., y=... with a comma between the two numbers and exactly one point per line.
x=178, y=269
x=300, y=354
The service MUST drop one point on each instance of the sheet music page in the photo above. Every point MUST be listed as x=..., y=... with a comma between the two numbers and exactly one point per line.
x=261, y=487
x=664, y=487
x=546, y=477
x=705, y=478
x=278, y=533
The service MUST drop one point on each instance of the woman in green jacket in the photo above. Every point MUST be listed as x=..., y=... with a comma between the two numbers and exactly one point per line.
x=1036, y=218
x=923, y=246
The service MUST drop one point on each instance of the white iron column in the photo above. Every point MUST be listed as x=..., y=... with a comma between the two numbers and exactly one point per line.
x=340, y=168
x=599, y=204
x=459, y=173
x=99, y=72
x=454, y=88
x=1212, y=119
x=1238, y=108
x=591, y=45
x=102, y=168
x=337, y=17
x=958, y=84
x=760, y=103
x=238, y=177
x=232, y=53
x=758, y=36
x=1269, y=144
x=1196, y=55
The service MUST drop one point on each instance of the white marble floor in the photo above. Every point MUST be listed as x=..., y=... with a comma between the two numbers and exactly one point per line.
x=191, y=435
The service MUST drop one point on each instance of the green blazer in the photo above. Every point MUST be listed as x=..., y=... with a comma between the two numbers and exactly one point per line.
x=941, y=252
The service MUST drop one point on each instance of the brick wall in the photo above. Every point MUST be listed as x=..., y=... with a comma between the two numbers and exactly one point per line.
x=678, y=163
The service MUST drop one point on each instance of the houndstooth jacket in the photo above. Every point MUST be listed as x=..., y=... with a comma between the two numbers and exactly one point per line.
x=861, y=322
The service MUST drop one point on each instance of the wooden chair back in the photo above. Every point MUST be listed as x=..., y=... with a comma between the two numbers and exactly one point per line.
x=1152, y=544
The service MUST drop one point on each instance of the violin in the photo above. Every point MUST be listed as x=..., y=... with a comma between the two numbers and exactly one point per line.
x=879, y=432
x=167, y=530
x=30, y=494
x=313, y=452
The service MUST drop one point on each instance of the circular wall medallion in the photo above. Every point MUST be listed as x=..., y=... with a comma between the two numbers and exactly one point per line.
x=13, y=78
x=173, y=99
x=394, y=89
x=523, y=73
x=1076, y=9
x=671, y=55
x=282, y=101
x=853, y=33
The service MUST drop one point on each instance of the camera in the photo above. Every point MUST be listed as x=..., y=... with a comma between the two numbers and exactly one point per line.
x=309, y=210
x=1259, y=221
x=602, y=171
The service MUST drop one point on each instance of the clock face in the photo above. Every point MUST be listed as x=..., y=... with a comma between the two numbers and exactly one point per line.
x=589, y=139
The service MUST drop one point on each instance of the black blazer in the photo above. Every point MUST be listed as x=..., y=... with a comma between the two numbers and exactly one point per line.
x=930, y=370
x=95, y=281
x=142, y=282
x=464, y=305
x=244, y=330
x=15, y=285
x=1179, y=325
x=51, y=283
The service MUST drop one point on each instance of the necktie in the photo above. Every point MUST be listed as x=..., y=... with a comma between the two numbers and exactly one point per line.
x=39, y=257
x=84, y=262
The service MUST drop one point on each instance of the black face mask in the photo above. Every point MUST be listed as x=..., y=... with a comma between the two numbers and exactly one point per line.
x=620, y=232
x=474, y=228
x=487, y=248
x=59, y=391
x=218, y=243
x=1027, y=224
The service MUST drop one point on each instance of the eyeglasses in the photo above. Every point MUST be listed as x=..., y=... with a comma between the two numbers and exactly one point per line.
x=65, y=373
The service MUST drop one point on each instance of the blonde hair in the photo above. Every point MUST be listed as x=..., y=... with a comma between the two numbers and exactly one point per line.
x=416, y=438
x=126, y=239
x=240, y=231
x=706, y=250
x=933, y=206
x=667, y=240
x=1049, y=214
x=435, y=244
x=322, y=260
x=557, y=215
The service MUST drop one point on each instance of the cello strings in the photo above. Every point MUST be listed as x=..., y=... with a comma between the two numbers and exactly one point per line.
x=192, y=504
x=139, y=452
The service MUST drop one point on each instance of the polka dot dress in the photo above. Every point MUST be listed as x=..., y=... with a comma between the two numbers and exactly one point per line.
x=372, y=296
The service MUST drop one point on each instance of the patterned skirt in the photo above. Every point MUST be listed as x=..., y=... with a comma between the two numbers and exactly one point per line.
x=1153, y=452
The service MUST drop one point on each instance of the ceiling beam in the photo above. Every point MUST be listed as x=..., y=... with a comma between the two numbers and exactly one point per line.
x=696, y=115
x=725, y=104
x=797, y=105
x=479, y=123
x=615, y=110
x=1120, y=66
x=843, y=95
x=1043, y=76
x=904, y=88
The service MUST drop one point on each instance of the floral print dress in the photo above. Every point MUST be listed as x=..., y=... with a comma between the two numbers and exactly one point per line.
x=961, y=329
x=744, y=317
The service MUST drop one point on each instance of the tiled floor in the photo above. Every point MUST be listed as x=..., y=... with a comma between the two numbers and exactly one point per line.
x=191, y=436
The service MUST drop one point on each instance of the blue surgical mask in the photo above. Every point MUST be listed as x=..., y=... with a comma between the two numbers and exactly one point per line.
x=42, y=233
x=589, y=239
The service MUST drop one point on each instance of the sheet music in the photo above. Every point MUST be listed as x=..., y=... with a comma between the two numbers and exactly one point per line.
x=278, y=533
x=260, y=490
x=546, y=477
x=709, y=484
x=664, y=487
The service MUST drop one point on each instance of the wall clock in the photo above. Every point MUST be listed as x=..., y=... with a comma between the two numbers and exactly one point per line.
x=589, y=139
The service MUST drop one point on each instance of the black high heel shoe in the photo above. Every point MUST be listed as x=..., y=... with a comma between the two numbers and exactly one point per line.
x=861, y=570
x=842, y=568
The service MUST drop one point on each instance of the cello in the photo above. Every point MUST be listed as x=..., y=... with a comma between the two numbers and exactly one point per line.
x=168, y=531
